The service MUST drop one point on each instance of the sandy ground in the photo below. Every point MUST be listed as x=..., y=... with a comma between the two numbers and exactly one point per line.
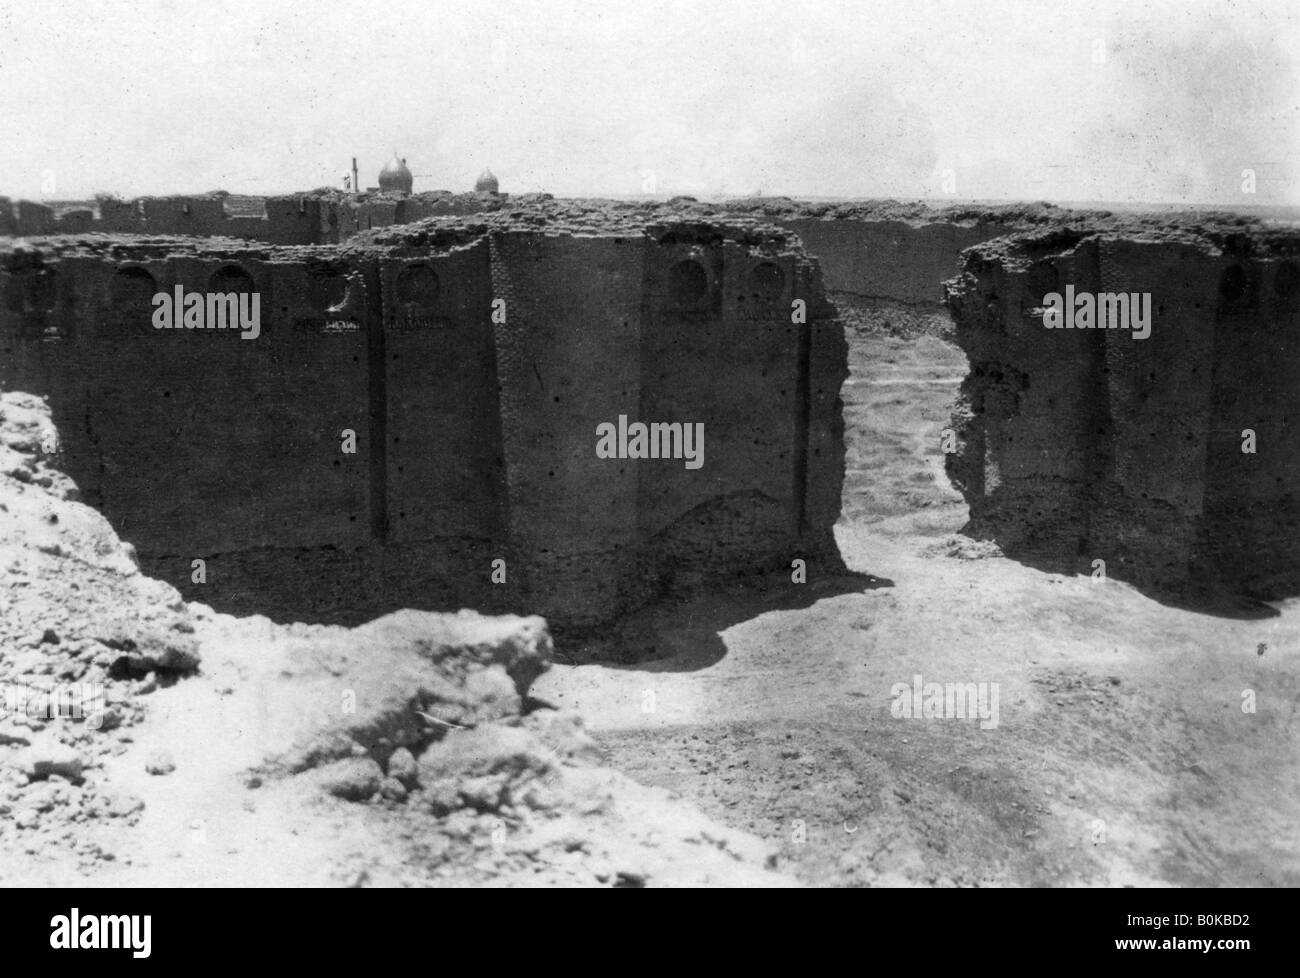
x=1125, y=752
x=1121, y=753
x=145, y=741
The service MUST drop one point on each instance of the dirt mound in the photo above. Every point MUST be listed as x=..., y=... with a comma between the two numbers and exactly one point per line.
x=149, y=741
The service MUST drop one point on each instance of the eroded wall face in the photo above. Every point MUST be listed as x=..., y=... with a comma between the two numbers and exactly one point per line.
x=1157, y=420
x=1256, y=377
x=199, y=444
x=444, y=462
x=568, y=357
x=407, y=416
x=718, y=329
x=822, y=450
x=1087, y=444
x=1031, y=408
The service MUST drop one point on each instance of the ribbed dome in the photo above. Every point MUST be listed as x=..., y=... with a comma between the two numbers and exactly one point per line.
x=396, y=177
x=487, y=183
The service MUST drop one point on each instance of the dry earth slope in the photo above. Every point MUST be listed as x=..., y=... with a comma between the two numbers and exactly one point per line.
x=148, y=741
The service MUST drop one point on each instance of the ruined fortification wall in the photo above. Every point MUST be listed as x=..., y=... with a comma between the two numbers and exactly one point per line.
x=293, y=219
x=894, y=260
x=1087, y=444
x=885, y=254
x=873, y=255
x=473, y=362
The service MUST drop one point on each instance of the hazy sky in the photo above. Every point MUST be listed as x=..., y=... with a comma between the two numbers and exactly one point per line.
x=1120, y=101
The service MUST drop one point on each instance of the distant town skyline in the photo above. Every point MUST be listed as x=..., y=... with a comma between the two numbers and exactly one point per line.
x=1127, y=102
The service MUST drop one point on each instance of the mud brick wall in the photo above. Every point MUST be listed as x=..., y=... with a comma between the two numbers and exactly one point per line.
x=35, y=218
x=710, y=341
x=884, y=265
x=822, y=448
x=1256, y=377
x=446, y=515
x=568, y=356
x=184, y=215
x=118, y=216
x=896, y=260
x=1079, y=444
x=293, y=219
x=198, y=444
x=297, y=220
x=867, y=254
x=476, y=432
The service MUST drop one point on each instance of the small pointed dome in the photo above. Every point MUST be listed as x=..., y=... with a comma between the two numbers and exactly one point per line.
x=487, y=183
x=396, y=177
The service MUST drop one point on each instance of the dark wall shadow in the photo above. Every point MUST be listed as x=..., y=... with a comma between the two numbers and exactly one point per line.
x=1193, y=588
x=683, y=632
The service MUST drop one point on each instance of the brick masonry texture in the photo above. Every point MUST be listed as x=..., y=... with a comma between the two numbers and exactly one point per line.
x=475, y=437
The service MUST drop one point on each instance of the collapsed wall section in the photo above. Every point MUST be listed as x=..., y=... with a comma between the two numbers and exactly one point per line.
x=883, y=262
x=417, y=409
x=1171, y=457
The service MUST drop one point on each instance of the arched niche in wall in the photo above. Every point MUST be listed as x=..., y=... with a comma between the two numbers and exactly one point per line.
x=327, y=289
x=132, y=287
x=765, y=283
x=231, y=278
x=1042, y=279
x=1234, y=289
x=130, y=295
x=688, y=285
x=417, y=289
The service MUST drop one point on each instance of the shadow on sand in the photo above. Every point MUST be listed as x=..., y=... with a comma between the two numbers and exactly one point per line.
x=684, y=633
x=1199, y=593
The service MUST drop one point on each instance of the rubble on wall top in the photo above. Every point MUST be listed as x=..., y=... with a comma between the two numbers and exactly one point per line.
x=909, y=212
x=139, y=247
x=1212, y=232
x=539, y=214
x=751, y=221
x=546, y=214
x=756, y=216
x=1021, y=216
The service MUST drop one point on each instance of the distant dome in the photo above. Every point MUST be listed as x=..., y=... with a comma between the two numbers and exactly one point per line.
x=487, y=183
x=396, y=177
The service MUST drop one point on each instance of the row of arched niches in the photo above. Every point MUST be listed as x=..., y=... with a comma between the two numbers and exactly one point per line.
x=692, y=288
x=1243, y=288
x=52, y=302
x=35, y=293
x=123, y=302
